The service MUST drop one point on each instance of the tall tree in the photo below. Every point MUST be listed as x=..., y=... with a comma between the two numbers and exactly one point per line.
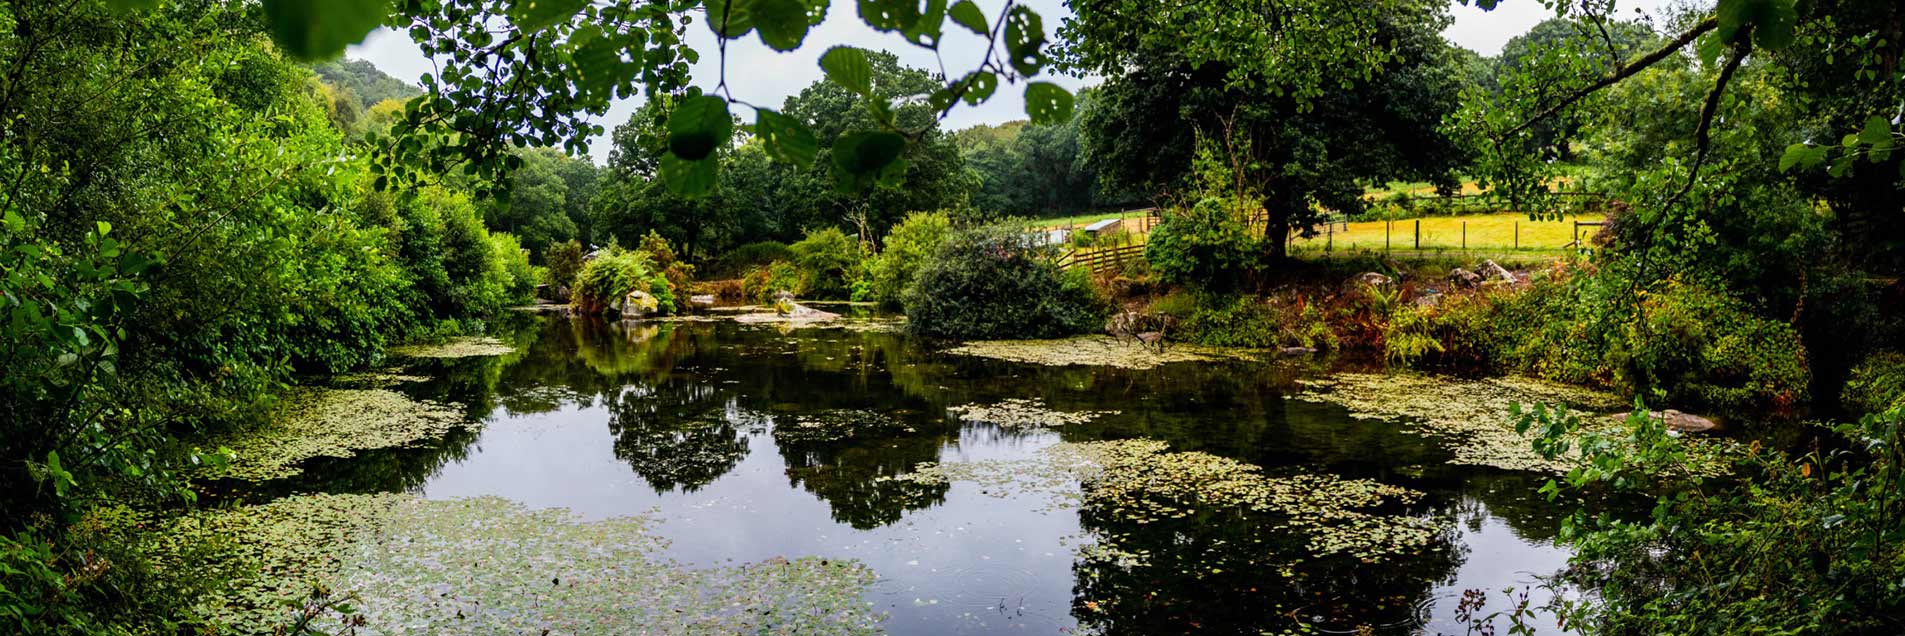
x=1288, y=145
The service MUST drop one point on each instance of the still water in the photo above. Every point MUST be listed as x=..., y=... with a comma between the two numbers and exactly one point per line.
x=687, y=422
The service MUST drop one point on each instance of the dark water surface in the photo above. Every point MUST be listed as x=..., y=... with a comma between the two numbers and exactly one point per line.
x=679, y=420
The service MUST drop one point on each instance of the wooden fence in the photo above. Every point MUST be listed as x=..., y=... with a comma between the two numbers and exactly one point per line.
x=1100, y=260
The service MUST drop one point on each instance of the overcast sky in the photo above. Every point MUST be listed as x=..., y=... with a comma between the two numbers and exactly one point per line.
x=763, y=76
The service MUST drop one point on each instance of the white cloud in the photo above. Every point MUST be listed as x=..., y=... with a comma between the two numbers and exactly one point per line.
x=1485, y=32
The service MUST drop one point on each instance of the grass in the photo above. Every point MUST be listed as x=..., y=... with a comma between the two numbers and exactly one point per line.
x=1081, y=220
x=1483, y=232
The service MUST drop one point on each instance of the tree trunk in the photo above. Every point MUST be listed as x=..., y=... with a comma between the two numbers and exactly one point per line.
x=1276, y=228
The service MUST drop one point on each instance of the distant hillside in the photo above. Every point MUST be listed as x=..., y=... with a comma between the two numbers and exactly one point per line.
x=365, y=81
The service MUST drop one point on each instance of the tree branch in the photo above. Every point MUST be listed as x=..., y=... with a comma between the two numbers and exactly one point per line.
x=1621, y=73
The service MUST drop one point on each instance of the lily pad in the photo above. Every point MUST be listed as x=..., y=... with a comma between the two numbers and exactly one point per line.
x=1096, y=351
x=1022, y=413
x=836, y=424
x=335, y=423
x=468, y=347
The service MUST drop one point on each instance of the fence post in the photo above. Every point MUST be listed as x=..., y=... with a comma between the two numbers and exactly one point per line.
x=1418, y=235
x=1518, y=235
x=1465, y=236
x=1387, y=225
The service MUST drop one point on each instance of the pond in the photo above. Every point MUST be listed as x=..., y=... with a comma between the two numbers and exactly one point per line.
x=745, y=443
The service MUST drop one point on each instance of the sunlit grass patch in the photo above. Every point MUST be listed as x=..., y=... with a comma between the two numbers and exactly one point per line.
x=1483, y=232
x=335, y=423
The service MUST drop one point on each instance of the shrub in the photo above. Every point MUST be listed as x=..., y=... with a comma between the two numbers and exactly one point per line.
x=891, y=272
x=519, y=277
x=678, y=274
x=1704, y=348
x=1458, y=334
x=1876, y=385
x=994, y=282
x=1206, y=246
x=761, y=283
x=738, y=261
x=602, y=283
x=1231, y=320
x=829, y=262
x=563, y=260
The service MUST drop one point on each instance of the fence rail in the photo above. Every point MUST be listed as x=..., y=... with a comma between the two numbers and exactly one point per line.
x=1102, y=259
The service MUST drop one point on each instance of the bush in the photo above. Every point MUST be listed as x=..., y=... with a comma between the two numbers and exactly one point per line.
x=1230, y=320
x=563, y=260
x=519, y=277
x=740, y=260
x=602, y=283
x=891, y=272
x=829, y=262
x=1876, y=385
x=763, y=282
x=1458, y=334
x=661, y=255
x=993, y=282
x=1703, y=348
x=1206, y=246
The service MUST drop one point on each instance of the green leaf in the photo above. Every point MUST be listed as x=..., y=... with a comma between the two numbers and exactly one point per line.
x=782, y=23
x=979, y=87
x=786, y=139
x=1803, y=155
x=698, y=126
x=689, y=178
x=1775, y=24
x=927, y=28
x=1046, y=103
x=889, y=15
x=848, y=67
x=131, y=5
x=1708, y=47
x=102, y=228
x=730, y=19
x=1877, y=129
x=320, y=29
x=859, y=157
x=15, y=223
x=535, y=15
x=1024, y=37
x=968, y=15
x=817, y=11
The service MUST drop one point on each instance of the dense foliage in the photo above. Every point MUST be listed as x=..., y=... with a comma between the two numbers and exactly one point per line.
x=994, y=282
x=1207, y=245
x=890, y=273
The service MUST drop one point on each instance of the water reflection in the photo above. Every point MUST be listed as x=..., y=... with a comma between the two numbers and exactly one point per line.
x=724, y=430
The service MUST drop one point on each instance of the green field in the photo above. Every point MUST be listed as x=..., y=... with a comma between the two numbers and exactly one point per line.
x=1508, y=231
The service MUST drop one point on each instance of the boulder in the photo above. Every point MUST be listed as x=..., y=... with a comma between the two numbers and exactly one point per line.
x=638, y=303
x=1428, y=298
x=1685, y=422
x=1296, y=351
x=1492, y=271
x=1464, y=278
x=1374, y=280
x=701, y=301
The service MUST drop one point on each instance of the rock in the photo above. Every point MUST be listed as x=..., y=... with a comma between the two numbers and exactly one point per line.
x=1491, y=271
x=1374, y=279
x=1464, y=278
x=1429, y=298
x=1686, y=422
x=1680, y=421
x=1296, y=351
x=701, y=300
x=638, y=303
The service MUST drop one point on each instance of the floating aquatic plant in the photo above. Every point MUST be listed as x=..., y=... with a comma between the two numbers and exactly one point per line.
x=1095, y=351
x=1473, y=418
x=1023, y=413
x=466, y=347
x=335, y=423
x=379, y=379
x=488, y=566
x=1139, y=481
x=836, y=424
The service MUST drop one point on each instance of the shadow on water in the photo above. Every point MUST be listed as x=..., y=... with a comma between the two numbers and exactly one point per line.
x=753, y=442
